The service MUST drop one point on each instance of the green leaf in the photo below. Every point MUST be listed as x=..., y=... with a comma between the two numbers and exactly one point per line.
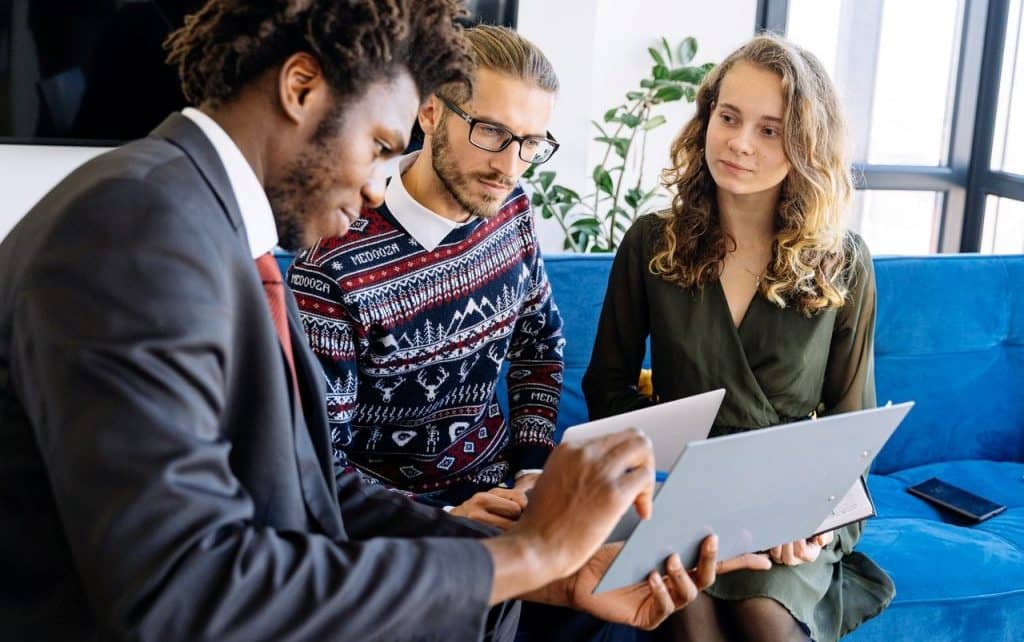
x=654, y=122
x=603, y=180
x=632, y=197
x=609, y=115
x=656, y=56
x=647, y=83
x=668, y=50
x=630, y=120
x=586, y=223
x=528, y=174
x=689, y=93
x=546, y=178
x=659, y=72
x=635, y=95
x=546, y=211
x=620, y=145
x=687, y=50
x=668, y=94
x=537, y=199
x=599, y=128
x=692, y=75
x=566, y=195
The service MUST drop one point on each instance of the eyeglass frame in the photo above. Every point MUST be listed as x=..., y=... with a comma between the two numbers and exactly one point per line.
x=473, y=121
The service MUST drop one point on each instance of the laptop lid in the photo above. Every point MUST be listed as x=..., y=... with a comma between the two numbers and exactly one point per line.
x=669, y=426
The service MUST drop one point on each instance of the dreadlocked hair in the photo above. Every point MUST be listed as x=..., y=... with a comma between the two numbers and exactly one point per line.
x=228, y=43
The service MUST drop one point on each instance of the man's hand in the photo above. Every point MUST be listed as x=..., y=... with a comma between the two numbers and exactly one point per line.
x=802, y=551
x=647, y=604
x=525, y=482
x=498, y=507
x=584, y=490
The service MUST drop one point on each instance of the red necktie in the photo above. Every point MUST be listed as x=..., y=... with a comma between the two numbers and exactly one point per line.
x=273, y=288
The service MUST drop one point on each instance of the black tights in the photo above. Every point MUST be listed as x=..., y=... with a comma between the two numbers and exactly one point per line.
x=757, y=619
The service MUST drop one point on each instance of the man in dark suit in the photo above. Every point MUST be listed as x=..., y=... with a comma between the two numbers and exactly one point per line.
x=165, y=470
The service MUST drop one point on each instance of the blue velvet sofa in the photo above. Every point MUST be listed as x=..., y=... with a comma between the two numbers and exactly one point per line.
x=950, y=336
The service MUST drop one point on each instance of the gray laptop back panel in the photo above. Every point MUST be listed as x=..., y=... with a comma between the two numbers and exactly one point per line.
x=669, y=426
x=755, y=490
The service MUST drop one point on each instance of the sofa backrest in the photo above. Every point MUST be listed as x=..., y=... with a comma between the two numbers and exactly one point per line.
x=950, y=336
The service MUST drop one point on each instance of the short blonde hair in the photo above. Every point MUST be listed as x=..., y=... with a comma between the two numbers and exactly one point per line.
x=811, y=247
x=503, y=50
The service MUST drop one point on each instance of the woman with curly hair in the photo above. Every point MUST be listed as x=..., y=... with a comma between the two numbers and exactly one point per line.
x=749, y=282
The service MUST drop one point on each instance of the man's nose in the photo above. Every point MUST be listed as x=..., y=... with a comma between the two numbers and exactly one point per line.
x=507, y=161
x=373, y=190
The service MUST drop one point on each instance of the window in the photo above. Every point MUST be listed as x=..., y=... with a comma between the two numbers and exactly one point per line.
x=1004, y=226
x=899, y=222
x=1008, y=143
x=934, y=94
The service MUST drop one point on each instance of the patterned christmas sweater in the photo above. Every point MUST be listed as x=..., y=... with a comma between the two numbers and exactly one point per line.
x=412, y=343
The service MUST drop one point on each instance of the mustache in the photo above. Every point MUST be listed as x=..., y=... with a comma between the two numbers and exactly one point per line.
x=500, y=179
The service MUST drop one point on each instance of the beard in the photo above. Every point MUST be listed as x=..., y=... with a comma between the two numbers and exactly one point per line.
x=460, y=185
x=293, y=198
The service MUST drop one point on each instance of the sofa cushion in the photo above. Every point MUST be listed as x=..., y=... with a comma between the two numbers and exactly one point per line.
x=954, y=580
x=950, y=335
x=933, y=554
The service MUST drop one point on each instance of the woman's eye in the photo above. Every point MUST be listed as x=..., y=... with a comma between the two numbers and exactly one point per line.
x=728, y=118
x=771, y=132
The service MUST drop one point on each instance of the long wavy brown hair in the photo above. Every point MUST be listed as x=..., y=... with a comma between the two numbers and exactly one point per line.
x=811, y=248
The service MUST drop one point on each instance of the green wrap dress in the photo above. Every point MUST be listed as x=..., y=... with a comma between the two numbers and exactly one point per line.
x=777, y=366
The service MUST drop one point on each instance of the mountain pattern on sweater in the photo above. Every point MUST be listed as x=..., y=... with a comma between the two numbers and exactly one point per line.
x=412, y=343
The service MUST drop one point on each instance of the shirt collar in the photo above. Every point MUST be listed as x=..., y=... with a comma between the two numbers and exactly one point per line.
x=252, y=200
x=424, y=225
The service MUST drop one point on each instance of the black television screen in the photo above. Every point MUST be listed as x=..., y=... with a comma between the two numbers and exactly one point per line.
x=93, y=71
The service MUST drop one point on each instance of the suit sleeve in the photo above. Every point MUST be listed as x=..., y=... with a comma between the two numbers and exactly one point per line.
x=122, y=338
x=610, y=382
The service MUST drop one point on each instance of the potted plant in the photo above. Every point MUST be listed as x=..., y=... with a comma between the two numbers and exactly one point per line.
x=597, y=221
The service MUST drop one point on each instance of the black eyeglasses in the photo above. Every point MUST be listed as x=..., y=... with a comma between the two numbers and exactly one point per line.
x=495, y=138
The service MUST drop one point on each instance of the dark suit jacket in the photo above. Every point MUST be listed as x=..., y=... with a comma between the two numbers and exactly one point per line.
x=157, y=479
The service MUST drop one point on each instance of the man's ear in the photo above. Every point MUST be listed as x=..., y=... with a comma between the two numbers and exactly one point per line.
x=302, y=88
x=429, y=115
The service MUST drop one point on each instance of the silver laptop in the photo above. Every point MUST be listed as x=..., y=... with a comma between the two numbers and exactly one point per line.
x=669, y=426
x=755, y=490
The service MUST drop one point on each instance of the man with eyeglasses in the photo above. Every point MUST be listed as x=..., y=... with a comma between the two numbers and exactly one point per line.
x=416, y=310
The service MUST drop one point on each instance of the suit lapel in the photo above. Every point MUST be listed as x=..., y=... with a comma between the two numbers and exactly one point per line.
x=312, y=440
x=183, y=133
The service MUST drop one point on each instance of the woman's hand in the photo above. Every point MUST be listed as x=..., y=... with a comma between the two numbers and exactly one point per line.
x=802, y=551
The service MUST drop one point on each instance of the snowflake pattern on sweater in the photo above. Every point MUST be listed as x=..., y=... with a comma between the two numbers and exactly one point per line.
x=412, y=343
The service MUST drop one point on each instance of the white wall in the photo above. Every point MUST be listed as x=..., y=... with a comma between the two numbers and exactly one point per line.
x=27, y=172
x=598, y=48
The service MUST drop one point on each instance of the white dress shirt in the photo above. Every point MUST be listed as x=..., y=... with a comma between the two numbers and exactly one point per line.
x=252, y=200
x=424, y=225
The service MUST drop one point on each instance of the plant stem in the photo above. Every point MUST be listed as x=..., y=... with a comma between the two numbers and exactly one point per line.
x=607, y=153
x=644, y=111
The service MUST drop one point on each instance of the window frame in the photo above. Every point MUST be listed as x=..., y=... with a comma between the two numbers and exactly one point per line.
x=967, y=178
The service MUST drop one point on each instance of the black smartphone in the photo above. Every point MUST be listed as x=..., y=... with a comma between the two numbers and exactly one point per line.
x=956, y=499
